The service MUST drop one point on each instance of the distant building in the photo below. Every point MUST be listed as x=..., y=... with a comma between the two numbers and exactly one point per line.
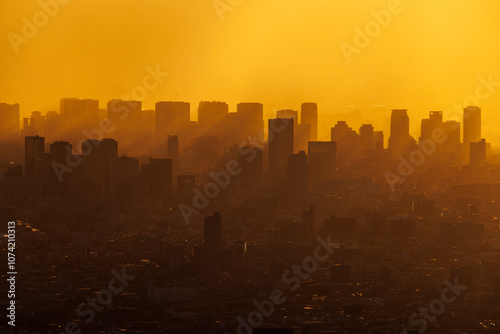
x=33, y=146
x=9, y=121
x=309, y=115
x=472, y=125
x=211, y=113
x=400, y=141
x=322, y=160
x=366, y=137
x=281, y=132
x=251, y=117
x=477, y=153
x=288, y=113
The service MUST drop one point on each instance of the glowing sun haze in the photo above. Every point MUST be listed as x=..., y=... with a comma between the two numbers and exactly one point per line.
x=280, y=53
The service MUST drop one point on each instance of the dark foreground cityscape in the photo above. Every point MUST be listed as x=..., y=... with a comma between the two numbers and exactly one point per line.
x=124, y=220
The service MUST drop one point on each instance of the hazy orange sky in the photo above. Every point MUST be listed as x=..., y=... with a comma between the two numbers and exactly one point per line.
x=280, y=53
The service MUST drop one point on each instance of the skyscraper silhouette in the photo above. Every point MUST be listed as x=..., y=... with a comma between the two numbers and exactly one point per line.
x=251, y=116
x=322, y=160
x=309, y=115
x=33, y=145
x=281, y=132
x=478, y=153
x=400, y=140
x=9, y=121
x=472, y=125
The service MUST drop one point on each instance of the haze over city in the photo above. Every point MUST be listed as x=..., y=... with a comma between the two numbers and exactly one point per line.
x=236, y=166
x=428, y=58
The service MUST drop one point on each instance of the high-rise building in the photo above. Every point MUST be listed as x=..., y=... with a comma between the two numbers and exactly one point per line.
x=80, y=115
x=60, y=151
x=211, y=113
x=33, y=145
x=9, y=121
x=288, y=113
x=400, y=141
x=348, y=143
x=100, y=165
x=309, y=115
x=124, y=114
x=378, y=139
x=339, y=130
x=472, y=125
x=169, y=116
x=478, y=153
x=34, y=125
x=452, y=131
x=431, y=124
x=281, y=132
x=322, y=160
x=366, y=138
x=302, y=135
x=251, y=116
x=213, y=231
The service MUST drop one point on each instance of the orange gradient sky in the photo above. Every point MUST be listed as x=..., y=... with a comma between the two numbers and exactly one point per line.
x=280, y=53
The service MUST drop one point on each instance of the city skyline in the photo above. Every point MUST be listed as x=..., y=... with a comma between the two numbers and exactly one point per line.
x=249, y=43
x=250, y=167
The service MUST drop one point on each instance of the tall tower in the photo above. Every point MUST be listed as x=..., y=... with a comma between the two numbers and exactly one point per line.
x=9, y=121
x=428, y=125
x=322, y=160
x=400, y=139
x=82, y=114
x=309, y=115
x=33, y=145
x=477, y=153
x=288, y=113
x=472, y=125
x=252, y=118
x=280, y=147
x=366, y=137
x=211, y=113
